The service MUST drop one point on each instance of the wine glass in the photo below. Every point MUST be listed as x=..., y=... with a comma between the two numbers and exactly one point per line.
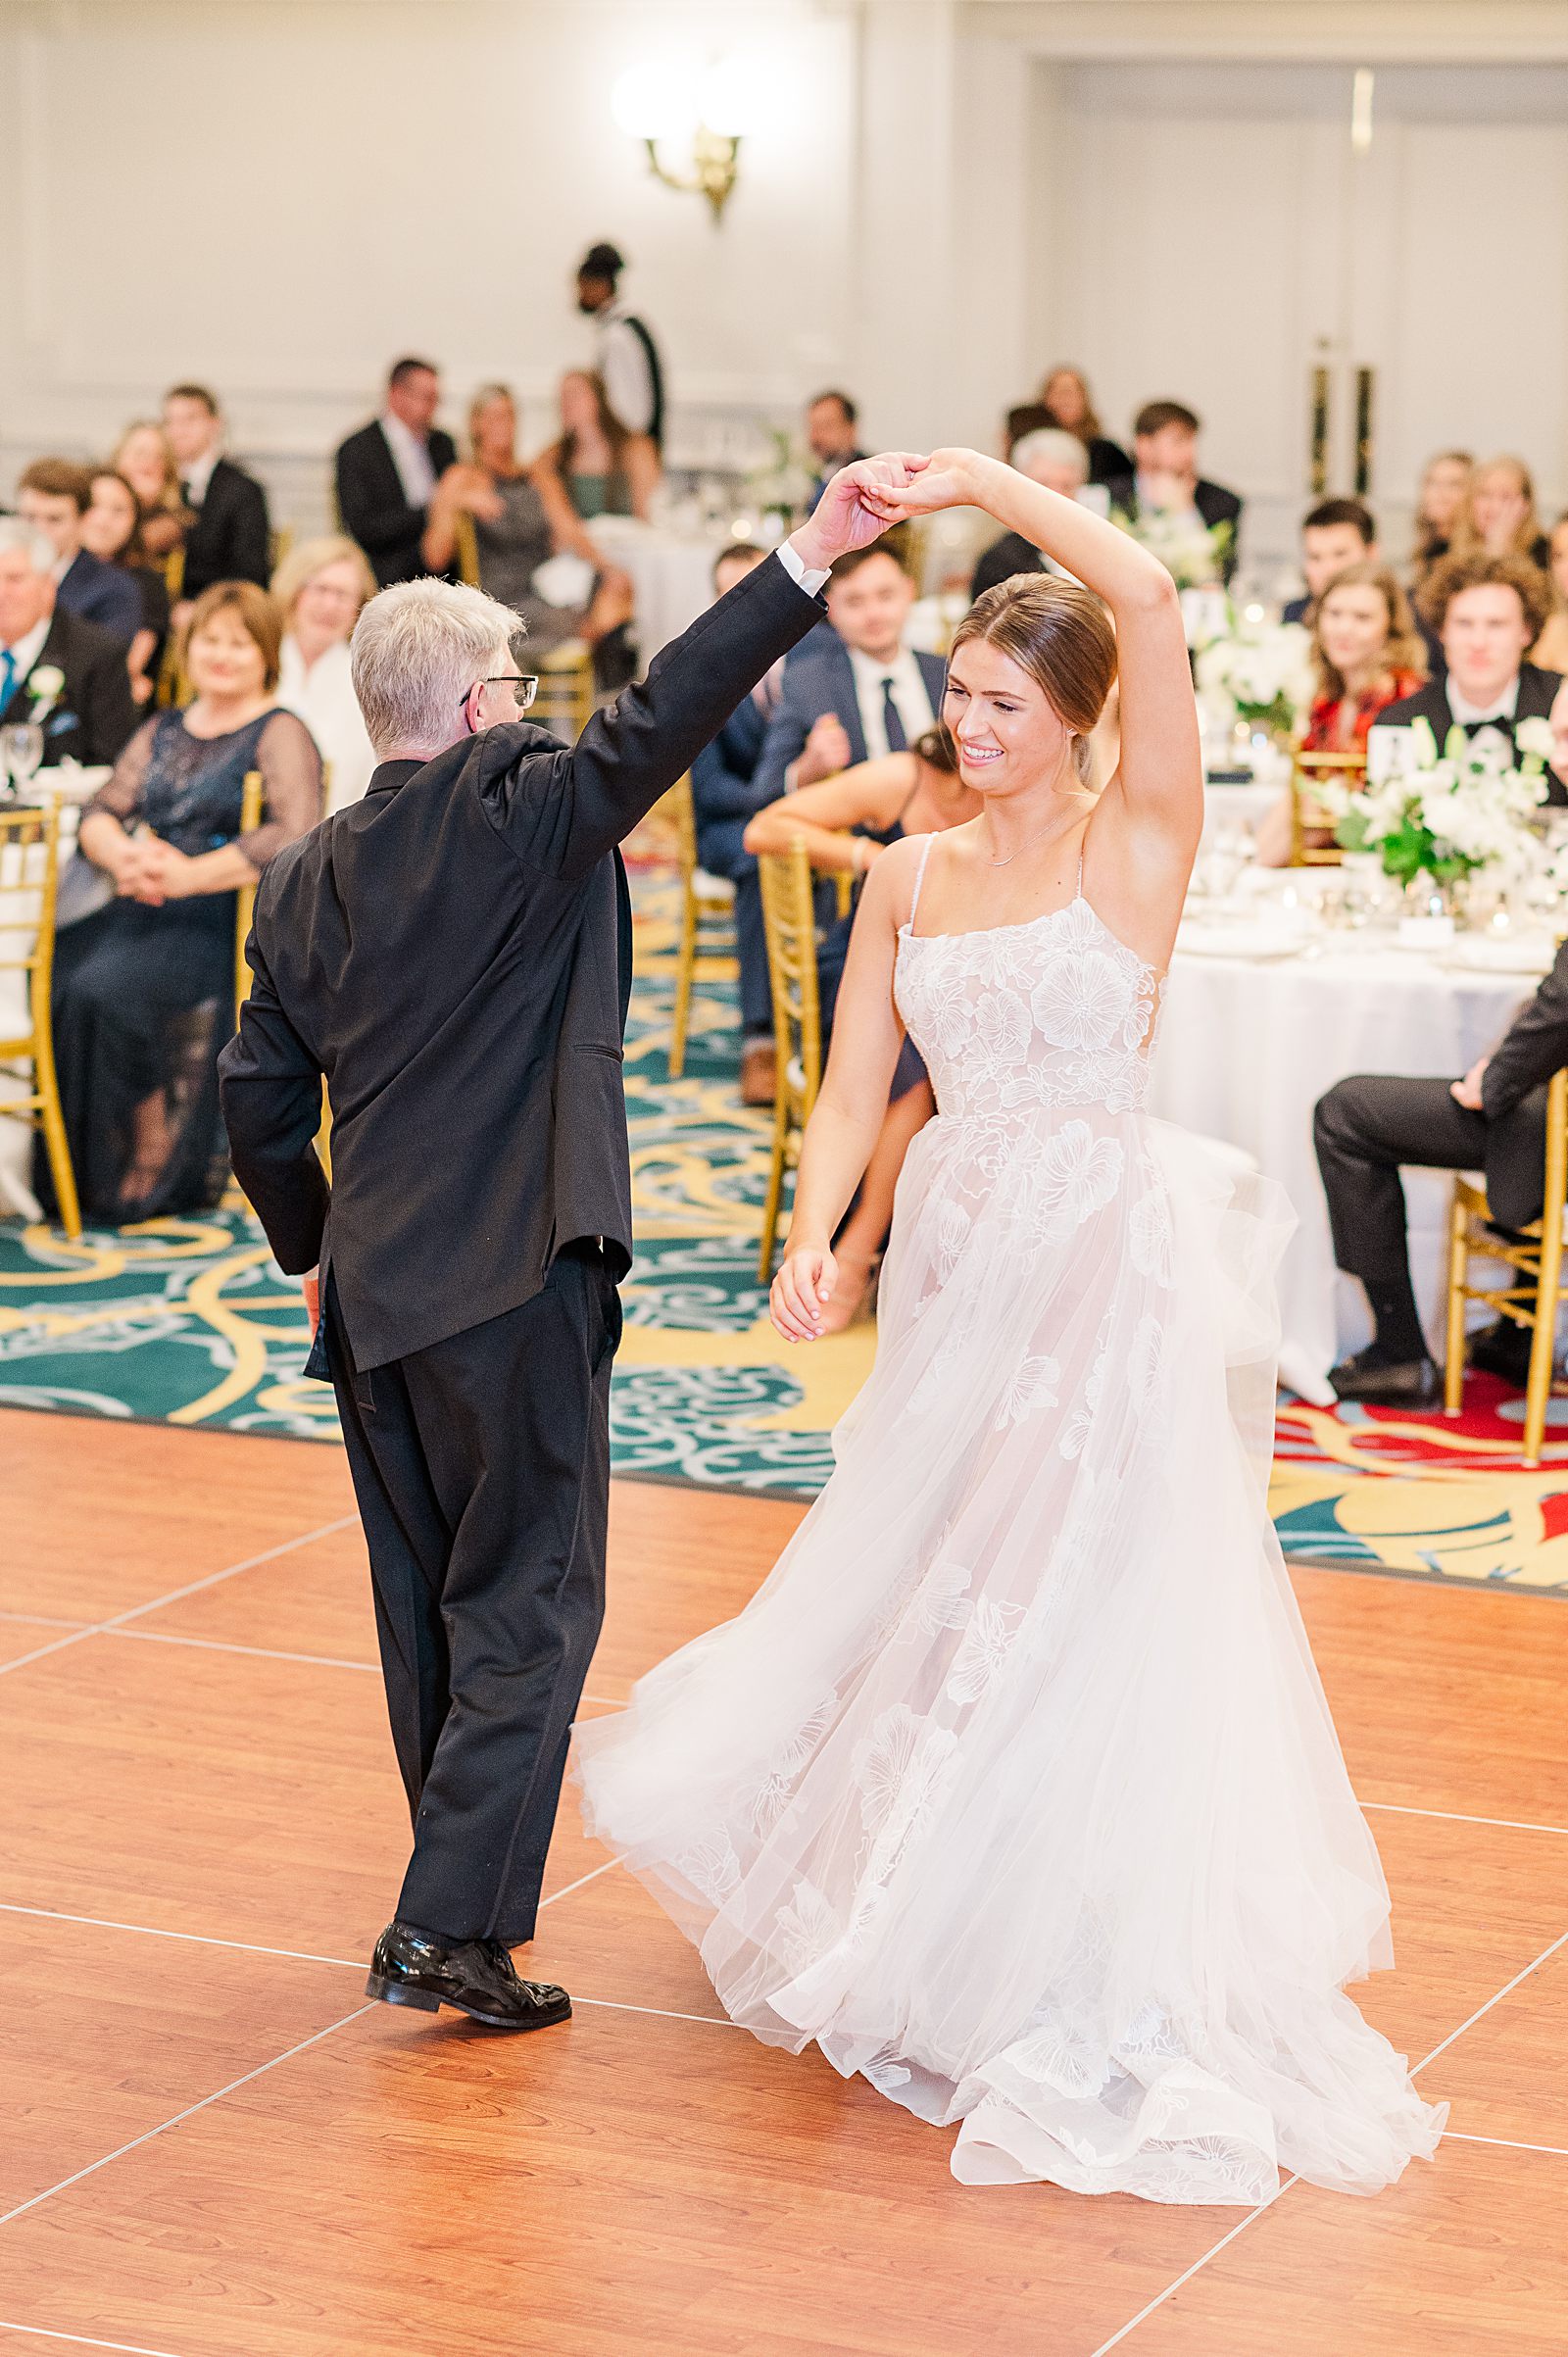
x=22, y=751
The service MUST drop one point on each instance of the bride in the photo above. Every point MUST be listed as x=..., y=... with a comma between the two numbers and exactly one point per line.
x=1015, y=1788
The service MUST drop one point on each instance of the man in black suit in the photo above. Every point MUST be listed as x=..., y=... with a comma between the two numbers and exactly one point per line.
x=53, y=495
x=387, y=471
x=1487, y=612
x=1336, y=533
x=1493, y=1119
x=1059, y=461
x=723, y=802
x=454, y=952
x=55, y=669
x=831, y=420
x=232, y=538
x=1165, y=450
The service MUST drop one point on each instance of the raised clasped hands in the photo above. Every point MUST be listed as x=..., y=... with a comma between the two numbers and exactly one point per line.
x=802, y=1288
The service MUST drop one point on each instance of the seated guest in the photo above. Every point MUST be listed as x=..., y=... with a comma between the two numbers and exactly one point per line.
x=386, y=474
x=144, y=989
x=1499, y=518
x=855, y=691
x=319, y=589
x=1551, y=650
x=228, y=538
x=143, y=457
x=1444, y=495
x=1049, y=455
x=1165, y=442
x=1493, y=1120
x=915, y=792
x=112, y=529
x=830, y=423
x=1487, y=612
x=518, y=527
x=53, y=495
x=594, y=463
x=1367, y=653
x=1336, y=533
x=55, y=669
x=723, y=802
x=1065, y=405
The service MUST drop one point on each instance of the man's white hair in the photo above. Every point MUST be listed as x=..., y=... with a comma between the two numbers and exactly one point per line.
x=416, y=650
x=16, y=532
x=1049, y=446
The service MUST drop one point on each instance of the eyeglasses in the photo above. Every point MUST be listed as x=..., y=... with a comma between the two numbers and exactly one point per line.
x=524, y=685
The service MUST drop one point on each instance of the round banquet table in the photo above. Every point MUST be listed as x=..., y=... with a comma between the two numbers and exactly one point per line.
x=671, y=575
x=1247, y=1045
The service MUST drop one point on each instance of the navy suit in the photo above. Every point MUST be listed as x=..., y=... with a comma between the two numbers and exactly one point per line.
x=1297, y=611
x=726, y=800
x=820, y=678
x=101, y=592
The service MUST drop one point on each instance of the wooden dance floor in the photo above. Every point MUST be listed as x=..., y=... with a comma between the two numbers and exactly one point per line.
x=214, y=2148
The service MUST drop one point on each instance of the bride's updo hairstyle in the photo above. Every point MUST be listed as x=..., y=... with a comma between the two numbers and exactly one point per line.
x=1059, y=633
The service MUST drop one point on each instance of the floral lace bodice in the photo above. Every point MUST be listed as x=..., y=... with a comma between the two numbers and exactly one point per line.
x=1056, y=1012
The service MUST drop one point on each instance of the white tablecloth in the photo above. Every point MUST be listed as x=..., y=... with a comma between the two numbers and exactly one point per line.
x=1246, y=1048
x=671, y=575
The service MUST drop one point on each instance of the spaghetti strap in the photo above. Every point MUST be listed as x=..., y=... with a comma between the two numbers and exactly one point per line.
x=919, y=879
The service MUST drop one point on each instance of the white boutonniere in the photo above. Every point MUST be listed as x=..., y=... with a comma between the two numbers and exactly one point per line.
x=1535, y=738
x=46, y=684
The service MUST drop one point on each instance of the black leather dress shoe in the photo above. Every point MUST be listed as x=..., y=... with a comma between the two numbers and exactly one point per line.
x=474, y=1976
x=1501, y=1349
x=1402, y=1383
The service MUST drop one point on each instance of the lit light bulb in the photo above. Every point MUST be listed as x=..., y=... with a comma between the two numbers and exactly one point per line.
x=730, y=102
x=654, y=101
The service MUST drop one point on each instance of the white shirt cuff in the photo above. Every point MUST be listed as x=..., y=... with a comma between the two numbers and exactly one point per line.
x=794, y=566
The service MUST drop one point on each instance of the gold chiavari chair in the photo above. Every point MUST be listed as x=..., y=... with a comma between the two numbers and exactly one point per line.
x=253, y=802
x=465, y=550
x=789, y=914
x=566, y=698
x=1349, y=768
x=705, y=899
x=29, y=869
x=281, y=541
x=1536, y=1261
x=171, y=687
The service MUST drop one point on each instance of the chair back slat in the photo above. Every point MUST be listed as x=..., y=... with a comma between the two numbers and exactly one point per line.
x=1306, y=813
x=466, y=547
x=789, y=916
x=29, y=874
x=252, y=810
x=566, y=698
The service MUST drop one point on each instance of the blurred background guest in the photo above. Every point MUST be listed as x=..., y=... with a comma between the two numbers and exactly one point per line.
x=230, y=538
x=53, y=495
x=386, y=474
x=1444, y=495
x=1165, y=475
x=723, y=801
x=1551, y=650
x=1064, y=404
x=627, y=359
x=1368, y=655
x=1335, y=534
x=597, y=462
x=319, y=589
x=1051, y=456
x=1500, y=515
x=1487, y=612
x=66, y=674
x=522, y=520
x=143, y=457
x=144, y=987
x=112, y=528
x=831, y=420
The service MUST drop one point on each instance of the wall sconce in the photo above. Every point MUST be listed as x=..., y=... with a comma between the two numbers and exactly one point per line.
x=662, y=104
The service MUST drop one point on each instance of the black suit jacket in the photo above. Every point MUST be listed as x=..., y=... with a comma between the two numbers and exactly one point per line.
x=371, y=503
x=92, y=719
x=822, y=679
x=108, y=595
x=455, y=953
x=1011, y=554
x=1514, y=1098
x=1214, y=504
x=231, y=539
x=1537, y=690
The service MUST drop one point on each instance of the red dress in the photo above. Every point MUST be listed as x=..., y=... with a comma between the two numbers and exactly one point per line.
x=1322, y=726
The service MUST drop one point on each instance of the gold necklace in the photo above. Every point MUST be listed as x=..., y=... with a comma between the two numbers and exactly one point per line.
x=1049, y=832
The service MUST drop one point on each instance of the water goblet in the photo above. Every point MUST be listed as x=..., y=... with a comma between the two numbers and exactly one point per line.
x=21, y=752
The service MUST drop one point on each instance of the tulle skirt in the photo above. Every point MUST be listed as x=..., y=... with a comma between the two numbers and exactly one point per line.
x=1015, y=1788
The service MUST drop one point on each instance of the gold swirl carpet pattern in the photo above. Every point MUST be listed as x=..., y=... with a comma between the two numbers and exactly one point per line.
x=188, y=1322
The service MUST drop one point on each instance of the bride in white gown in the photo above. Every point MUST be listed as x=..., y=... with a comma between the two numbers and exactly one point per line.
x=1015, y=1788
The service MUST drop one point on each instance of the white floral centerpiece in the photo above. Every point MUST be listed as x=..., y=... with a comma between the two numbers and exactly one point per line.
x=1193, y=553
x=1448, y=816
x=1262, y=670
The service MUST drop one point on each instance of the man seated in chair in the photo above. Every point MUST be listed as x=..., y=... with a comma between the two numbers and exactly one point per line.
x=723, y=803
x=1493, y=1120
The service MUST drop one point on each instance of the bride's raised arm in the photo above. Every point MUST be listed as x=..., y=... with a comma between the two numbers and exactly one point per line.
x=1161, y=777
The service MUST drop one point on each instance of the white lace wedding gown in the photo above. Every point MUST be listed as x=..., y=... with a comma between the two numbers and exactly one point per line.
x=1014, y=1786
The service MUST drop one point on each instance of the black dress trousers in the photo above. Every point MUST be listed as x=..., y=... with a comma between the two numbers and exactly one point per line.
x=1364, y=1131
x=481, y=1467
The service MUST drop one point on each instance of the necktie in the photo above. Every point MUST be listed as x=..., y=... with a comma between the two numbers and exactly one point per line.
x=892, y=719
x=8, y=676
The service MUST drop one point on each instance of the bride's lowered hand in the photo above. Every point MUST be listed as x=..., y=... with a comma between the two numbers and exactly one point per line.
x=802, y=1291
